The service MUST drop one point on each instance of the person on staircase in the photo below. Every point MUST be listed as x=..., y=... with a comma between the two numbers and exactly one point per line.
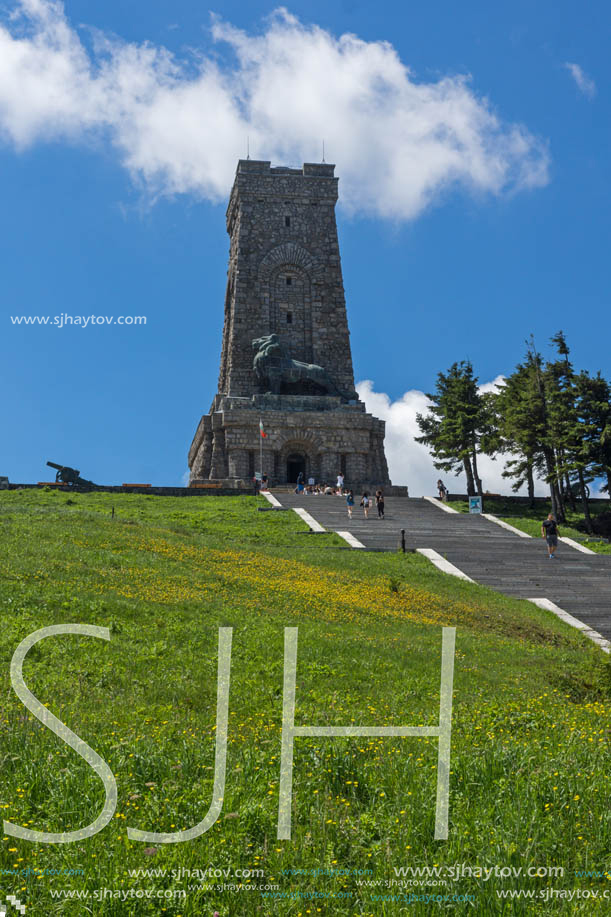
x=549, y=531
x=350, y=503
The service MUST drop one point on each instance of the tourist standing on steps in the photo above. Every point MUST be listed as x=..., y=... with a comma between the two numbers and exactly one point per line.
x=549, y=531
x=350, y=503
x=340, y=483
x=365, y=504
x=380, y=503
x=299, y=488
x=443, y=493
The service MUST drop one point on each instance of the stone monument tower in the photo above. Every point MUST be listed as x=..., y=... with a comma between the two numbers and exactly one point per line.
x=286, y=363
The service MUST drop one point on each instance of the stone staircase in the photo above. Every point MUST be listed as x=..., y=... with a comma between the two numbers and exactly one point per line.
x=578, y=583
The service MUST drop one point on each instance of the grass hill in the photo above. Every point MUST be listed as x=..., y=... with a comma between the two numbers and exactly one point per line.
x=530, y=765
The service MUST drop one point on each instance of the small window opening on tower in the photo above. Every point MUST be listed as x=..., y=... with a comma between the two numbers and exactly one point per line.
x=289, y=318
x=287, y=221
x=289, y=281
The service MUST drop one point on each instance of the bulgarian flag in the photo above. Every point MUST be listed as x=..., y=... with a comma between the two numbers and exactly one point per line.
x=263, y=433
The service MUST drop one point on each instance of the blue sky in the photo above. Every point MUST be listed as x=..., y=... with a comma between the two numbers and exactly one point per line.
x=457, y=241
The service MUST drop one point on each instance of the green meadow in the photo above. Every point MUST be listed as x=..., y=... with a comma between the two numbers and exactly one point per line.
x=529, y=784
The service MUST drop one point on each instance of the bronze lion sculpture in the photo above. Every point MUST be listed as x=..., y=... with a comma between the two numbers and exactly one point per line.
x=275, y=370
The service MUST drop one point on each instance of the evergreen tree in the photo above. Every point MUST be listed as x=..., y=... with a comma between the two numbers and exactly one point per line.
x=594, y=407
x=525, y=423
x=543, y=384
x=555, y=424
x=457, y=420
x=566, y=427
x=520, y=427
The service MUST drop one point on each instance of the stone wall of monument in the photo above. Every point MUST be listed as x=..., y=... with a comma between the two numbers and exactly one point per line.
x=335, y=438
x=284, y=278
x=284, y=272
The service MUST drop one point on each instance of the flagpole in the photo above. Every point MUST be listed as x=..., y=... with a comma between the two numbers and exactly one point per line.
x=261, y=447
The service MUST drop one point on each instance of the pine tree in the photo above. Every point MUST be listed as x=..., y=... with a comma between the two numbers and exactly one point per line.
x=520, y=427
x=455, y=423
x=526, y=427
x=555, y=423
x=594, y=408
x=545, y=396
x=576, y=428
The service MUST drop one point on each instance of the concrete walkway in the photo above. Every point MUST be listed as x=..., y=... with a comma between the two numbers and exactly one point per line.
x=578, y=583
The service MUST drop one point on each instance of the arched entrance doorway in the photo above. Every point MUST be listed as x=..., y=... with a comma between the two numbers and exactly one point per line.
x=295, y=462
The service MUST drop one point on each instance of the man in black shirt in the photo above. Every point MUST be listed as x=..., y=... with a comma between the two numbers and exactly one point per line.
x=549, y=531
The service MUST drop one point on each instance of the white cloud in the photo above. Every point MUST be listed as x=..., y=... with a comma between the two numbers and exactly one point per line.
x=179, y=125
x=492, y=386
x=410, y=462
x=585, y=84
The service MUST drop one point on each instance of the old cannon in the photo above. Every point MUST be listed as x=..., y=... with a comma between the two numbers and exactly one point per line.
x=66, y=475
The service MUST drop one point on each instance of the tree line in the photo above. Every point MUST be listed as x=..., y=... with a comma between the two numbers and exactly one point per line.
x=553, y=422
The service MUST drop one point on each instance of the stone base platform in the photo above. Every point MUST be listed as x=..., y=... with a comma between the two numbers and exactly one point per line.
x=319, y=435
